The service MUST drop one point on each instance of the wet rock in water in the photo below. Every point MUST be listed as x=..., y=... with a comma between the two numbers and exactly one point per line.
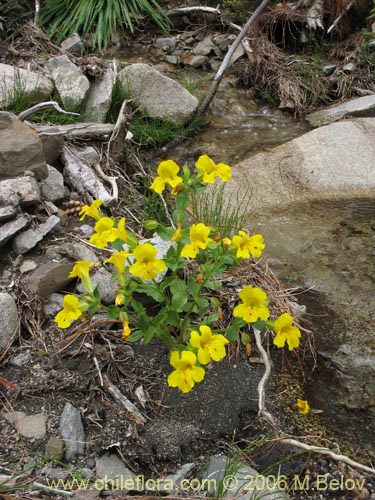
x=100, y=97
x=27, y=240
x=110, y=467
x=72, y=432
x=33, y=84
x=48, y=278
x=10, y=229
x=52, y=187
x=156, y=94
x=25, y=190
x=7, y=213
x=71, y=84
x=73, y=45
x=29, y=426
x=362, y=106
x=8, y=318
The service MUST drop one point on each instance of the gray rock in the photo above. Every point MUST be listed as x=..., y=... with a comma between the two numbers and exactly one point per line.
x=7, y=213
x=205, y=47
x=75, y=251
x=73, y=45
x=10, y=229
x=155, y=94
x=13, y=80
x=27, y=266
x=72, y=432
x=86, y=231
x=54, y=448
x=25, y=189
x=109, y=466
x=100, y=97
x=195, y=61
x=29, y=426
x=81, y=176
x=52, y=188
x=20, y=149
x=71, y=84
x=8, y=318
x=349, y=68
x=53, y=304
x=107, y=287
x=333, y=162
x=172, y=59
x=52, y=144
x=171, y=484
x=167, y=44
x=362, y=106
x=48, y=278
x=328, y=69
x=21, y=359
x=27, y=240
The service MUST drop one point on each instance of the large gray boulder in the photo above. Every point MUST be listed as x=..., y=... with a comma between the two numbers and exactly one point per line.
x=362, y=106
x=20, y=149
x=71, y=84
x=156, y=94
x=14, y=81
x=332, y=162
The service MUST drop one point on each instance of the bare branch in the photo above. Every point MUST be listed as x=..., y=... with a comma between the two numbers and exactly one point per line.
x=198, y=8
x=43, y=105
x=123, y=400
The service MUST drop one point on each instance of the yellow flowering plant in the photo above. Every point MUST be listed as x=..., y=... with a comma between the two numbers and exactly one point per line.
x=181, y=282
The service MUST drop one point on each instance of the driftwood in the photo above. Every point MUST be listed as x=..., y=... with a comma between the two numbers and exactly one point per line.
x=226, y=61
x=198, y=8
x=76, y=131
x=44, y=105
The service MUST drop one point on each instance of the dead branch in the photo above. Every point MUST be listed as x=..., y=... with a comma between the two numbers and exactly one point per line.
x=198, y=8
x=335, y=22
x=220, y=73
x=37, y=10
x=285, y=438
x=76, y=131
x=44, y=105
x=107, y=178
x=123, y=400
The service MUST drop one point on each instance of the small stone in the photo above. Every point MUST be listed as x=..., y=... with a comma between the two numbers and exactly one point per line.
x=71, y=84
x=328, y=69
x=86, y=231
x=175, y=479
x=21, y=359
x=73, y=45
x=52, y=188
x=7, y=213
x=48, y=278
x=195, y=61
x=167, y=44
x=54, y=448
x=72, y=432
x=29, y=426
x=109, y=466
x=27, y=240
x=8, y=318
x=53, y=305
x=204, y=47
x=27, y=266
x=100, y=97
x=172, y=59
x=107, y=287
x=10, y=229
x=25, y=188
x=349, y=68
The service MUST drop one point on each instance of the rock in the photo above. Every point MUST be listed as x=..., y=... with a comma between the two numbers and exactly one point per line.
x=328, y=69
x=24, y=189
x=86, y=231
x=52, y=144
x=72, y=432
x=10, y=229
x=52, y=188
x=20, y=149
x=100, y=97
x=53, y=304
x=54, y=448
x=172, y=59
x=238, y=53
x=167, y=44
x=27, y=266
x=362, y=106
x=110, y=467
x=194, y=61
x=87, y=494
x=205, y=47
x=155, y=94
x=71, y=84
x=8, y=318
x=29, y=426
x=81, y=176
x=74, y=251
x=107, y=286
x=333, y=162
x=27, y=240
x=48, y=278
x=7, y=213
x=21, y=359
x=73, y=45
x=243, y=482
x=349, y=68
x=16, y=80
x=171, y=484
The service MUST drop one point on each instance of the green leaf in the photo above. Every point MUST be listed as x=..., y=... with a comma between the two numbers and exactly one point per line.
x=245, y=338
x=136, y=335
x=178, y=301
x=152, y=291
x=149, y=335
x=232, y=333
x=165, y=233
x=202, y=304
x=113, y=312
x=260, y=325
x=173, y=318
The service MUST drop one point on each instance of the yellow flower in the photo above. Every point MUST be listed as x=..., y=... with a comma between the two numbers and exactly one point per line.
x=209, y=169
x=303, y=406
x=118, y=259
x=105, y=232
x=254, y=305
x=210, y=347
x=121, y=233
x=186, y=372
x=81, y=270
x=198, y=239
x=91, y=210
x=70, y=313
x=167, y=171
x=285, y=332
x=126, y=331
x=248, y=245
x=227, y=241
x=178, y=233
x=120, y=299
x=147, y=266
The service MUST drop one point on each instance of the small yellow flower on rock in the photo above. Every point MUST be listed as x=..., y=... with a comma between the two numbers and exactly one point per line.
x=167, y=171
x=91, y=210
x=210, y=347
x=118, y=259
x=286, y=332
x=147, y=266
x=303, y=406
x=248, y=246
x=186, y=372
x=254, y=305
x=198, y=240
x=70, y=313
x=126, y=331
x=210, y=169
x=81, y=270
